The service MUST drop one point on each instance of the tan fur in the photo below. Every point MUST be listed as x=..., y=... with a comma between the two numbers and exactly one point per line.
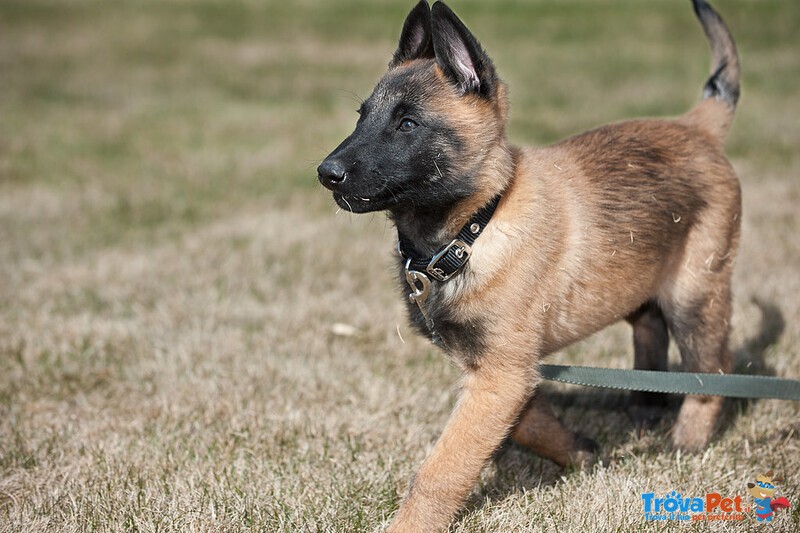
x=490, y=402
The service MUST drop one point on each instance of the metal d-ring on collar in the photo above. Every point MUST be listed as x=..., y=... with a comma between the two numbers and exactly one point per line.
x=445, y=263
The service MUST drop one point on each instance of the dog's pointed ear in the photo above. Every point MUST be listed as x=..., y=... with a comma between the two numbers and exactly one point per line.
x=415, y=38
x=751, y=485
x=459, y=53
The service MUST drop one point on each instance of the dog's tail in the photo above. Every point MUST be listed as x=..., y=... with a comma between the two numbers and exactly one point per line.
x=721, y=91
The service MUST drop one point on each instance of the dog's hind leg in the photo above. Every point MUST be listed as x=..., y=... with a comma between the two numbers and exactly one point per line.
x=698, y=312
x=539, y=430
x=701, y=332
x=650, y=345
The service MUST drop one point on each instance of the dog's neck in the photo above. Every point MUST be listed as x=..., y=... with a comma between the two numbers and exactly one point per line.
x=428, y=228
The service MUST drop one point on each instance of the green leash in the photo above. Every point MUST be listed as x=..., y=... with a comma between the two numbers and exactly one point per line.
x=733, y=385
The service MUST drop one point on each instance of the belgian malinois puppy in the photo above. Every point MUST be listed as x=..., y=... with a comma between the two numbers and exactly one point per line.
x=512, y=253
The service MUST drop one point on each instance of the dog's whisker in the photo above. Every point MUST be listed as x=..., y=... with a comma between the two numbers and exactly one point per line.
x=344, y=199
x=438, y=169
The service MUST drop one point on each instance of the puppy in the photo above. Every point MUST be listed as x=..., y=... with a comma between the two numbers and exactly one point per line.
x=512, y=253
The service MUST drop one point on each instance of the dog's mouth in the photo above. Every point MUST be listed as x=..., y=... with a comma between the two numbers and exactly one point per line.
x=365, y=204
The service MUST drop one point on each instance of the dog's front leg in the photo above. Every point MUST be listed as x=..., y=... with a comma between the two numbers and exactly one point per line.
x=491, y=399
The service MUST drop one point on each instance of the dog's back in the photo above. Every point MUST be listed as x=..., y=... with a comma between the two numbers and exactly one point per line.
x=628, y=211
x=615, y=209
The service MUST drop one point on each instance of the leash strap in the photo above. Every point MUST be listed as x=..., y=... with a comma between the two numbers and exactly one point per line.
x=733, y=385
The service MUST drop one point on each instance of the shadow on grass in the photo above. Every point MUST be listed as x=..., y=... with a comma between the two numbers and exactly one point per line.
x=606, y=415
x=750, y=357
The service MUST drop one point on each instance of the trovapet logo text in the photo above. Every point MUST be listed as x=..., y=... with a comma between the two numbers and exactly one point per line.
x=675, y=506
x=715, y=506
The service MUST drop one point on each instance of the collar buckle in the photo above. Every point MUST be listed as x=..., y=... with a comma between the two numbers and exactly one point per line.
x=453, y=257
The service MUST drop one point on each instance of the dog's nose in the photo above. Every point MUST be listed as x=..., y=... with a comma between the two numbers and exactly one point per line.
x=331, y=173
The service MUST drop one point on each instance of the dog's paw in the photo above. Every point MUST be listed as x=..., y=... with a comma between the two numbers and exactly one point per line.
x=696, y=421
x=584, y=457
x=689, y=440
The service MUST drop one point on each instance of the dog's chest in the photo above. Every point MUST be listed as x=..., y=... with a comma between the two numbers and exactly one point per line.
x=441, y=318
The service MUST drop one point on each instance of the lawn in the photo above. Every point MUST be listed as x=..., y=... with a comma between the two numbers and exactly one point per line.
x=174, y=284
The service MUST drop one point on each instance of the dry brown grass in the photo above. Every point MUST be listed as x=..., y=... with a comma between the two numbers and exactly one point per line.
x=169, y=277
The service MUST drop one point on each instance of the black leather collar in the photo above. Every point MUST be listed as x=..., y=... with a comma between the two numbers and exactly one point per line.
x=451, y=258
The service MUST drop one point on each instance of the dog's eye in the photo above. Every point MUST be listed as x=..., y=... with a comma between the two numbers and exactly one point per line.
x=407, y=125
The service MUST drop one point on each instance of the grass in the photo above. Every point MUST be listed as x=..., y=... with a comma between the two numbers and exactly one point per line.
x=170, y=274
